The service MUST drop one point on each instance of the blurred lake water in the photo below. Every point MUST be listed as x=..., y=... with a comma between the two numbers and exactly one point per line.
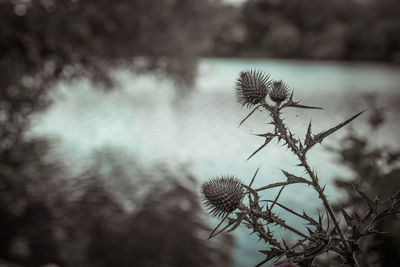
x=146, y=118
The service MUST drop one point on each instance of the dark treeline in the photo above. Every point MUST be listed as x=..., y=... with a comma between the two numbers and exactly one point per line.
x=311, y=29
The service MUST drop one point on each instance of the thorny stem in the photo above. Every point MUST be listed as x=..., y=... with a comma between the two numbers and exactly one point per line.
x=261, y=231
x=282, y=130
x=307, y=218
x=270, y=217
x=281, y=184
x=375, y=221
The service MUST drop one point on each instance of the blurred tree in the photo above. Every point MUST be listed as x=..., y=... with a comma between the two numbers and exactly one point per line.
x=228, y=33
x=293, y=25
x=72, y=38
x=165, y=230
x=41, y=43
x=376, y=173
x=282, y=40
x=28, y=190
x=342, y=29
x=88, y=221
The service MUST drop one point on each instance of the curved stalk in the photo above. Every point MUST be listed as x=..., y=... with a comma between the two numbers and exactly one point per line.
x=280, y=126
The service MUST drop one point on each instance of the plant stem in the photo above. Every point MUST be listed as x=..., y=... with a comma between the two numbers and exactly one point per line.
x=356, y=264
x=291, y=144
x=307, y=218
x=270, y=217
x=253, y=220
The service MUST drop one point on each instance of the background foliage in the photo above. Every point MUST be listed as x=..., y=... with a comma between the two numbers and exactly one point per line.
x=316, y=29
x=47, y=217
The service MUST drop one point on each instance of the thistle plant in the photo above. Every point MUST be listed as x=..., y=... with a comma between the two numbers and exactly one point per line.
x=235, y=203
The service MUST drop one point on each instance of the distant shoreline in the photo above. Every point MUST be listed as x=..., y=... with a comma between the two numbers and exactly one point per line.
x=302, y=60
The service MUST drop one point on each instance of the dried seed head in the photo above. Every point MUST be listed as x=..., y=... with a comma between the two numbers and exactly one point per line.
x=279, y=91
x=222, y=195
x=252, y=87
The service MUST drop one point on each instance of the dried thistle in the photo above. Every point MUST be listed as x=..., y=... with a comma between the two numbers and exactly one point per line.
x=279, y=91
x=252, y=87
x=222, y=195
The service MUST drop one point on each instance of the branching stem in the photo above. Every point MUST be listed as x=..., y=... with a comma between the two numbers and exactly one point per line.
x=280, y=126
x=270, y=217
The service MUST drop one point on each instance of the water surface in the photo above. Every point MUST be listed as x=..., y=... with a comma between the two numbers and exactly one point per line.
x=145, y=118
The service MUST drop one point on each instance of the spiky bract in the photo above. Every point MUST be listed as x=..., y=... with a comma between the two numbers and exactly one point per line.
x=279, y=91
x=252, y=87
x=222, y=195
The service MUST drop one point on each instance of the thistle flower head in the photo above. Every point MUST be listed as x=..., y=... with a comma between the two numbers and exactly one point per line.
x=222, y=195
x=252, y=87
x=279, y=91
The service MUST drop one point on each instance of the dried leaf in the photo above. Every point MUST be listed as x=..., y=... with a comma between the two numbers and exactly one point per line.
x=310, y=219
x=267, y=140
x=367, y=216
x=248, y=225
x=266, y=135
x=310, y=231
x=290, y=98
x=309, y=141
x=297, y=105
x=321, y=136
x=254, y=177
x=216, y=228
x=239, y=220
x=272, y=253
x=347, y=217
x=370, y=203
x=284, y=243
x=293, y=178
x=320, y=217
x=276, y=198
x=323, y=188
x=249, y=115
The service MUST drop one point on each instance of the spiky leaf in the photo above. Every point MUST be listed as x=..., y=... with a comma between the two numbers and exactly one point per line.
x=347, y=217
x=321, y=136
x=293, y=178
x=267, y=140
x=248, y=116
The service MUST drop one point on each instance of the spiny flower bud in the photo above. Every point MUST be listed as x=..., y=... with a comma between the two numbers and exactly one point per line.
x=252, y=87
x=279, y=91
x=222, y=195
